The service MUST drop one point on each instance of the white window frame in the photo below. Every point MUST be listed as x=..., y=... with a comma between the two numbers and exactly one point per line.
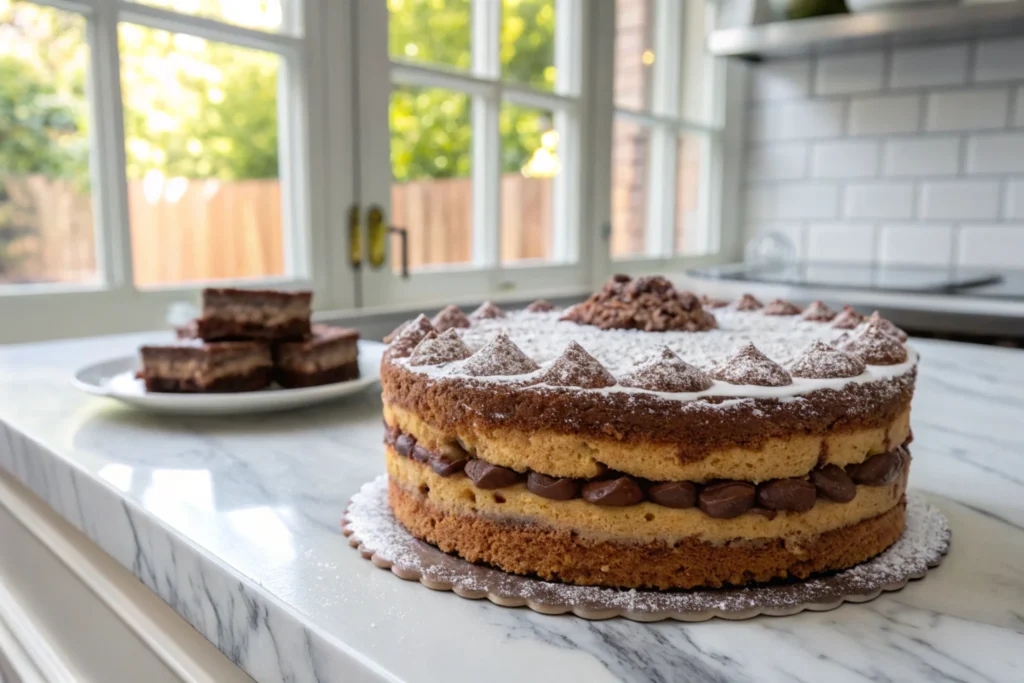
x=333, y=110
x=485, y=276
x=312, y=254
x=719, y=128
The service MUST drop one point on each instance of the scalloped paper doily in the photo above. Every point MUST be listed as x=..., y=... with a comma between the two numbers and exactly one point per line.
x=380, y=538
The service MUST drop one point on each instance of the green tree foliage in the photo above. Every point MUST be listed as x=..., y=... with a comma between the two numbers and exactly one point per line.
x=431, y=134
x=197, y=109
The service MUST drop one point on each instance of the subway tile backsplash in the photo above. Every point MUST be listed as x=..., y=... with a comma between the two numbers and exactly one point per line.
x=909, y=155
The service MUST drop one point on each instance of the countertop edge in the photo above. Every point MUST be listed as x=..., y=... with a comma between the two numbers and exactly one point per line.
x=244, y=621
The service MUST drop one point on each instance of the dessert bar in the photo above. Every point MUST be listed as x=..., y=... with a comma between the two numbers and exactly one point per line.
x=206, y=367
x=254, y=314
x=330, y=355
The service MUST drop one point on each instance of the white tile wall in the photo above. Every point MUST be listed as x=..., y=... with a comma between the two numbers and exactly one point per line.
x=781, y=80
x=1000, y=60
x=802, y=120
x=968, y=109
x=915, y=244
x=1015, y=199
x=858, y=72
x=845, y=159
x=922, y=156
x=910, y=155
x=963, y=199
x=843, y=242
x=914, y=67
x=777, y=161
x=793, y=201
x=879, y=200
x=992, y=245
x=999, y=153
x=885, y=114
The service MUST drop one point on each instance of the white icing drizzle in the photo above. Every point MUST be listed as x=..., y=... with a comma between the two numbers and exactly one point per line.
x=543, y=337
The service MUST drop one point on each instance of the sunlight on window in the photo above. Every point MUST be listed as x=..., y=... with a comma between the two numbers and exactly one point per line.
x=431, y=156
x=528, y=42
x=430, y=32
x=529, y=163
x=46, y=209
x=208, y=111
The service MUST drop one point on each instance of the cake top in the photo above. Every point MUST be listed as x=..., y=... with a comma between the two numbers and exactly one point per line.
x=751, y=350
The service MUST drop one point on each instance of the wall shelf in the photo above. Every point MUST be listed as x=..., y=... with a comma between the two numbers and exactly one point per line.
x=849, y=32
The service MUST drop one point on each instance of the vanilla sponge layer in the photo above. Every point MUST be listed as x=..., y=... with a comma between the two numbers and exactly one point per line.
x=645, y=522
x=577, y=457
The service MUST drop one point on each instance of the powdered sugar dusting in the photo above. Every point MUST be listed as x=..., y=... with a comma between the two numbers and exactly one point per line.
x=924, y=541
x=820, y=360
x=542, y=337
x=873, y=345
x=750, y=366
x=499, y=357
x=434, y=349
x=667, y=372
x=577, y=368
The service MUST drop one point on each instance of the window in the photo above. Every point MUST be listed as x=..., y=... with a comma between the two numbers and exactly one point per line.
x=484, y=113
x=148, y=147
x=666, y=134
x=47, y=226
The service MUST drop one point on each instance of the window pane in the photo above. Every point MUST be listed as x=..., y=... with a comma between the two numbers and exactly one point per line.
x=691, y=233
x=202, y=150
x=46, y=211
x=432, y=192
x=634, y=53
x=631, y=147
x=529, y=164
x=265, y=15
x=430, y=31
x=528, y=42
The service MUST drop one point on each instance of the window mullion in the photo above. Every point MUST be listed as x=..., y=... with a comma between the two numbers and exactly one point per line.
x=293, y=128
x=568, y=46
x=661, y=207
x=108, y=162
x=569, y=18
x=210, y=29
x=486, y=172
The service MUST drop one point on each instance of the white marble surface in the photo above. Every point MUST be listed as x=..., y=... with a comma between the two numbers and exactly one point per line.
x=234, y=523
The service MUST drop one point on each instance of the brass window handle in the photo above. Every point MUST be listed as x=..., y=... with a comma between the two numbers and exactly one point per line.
x=378, y=231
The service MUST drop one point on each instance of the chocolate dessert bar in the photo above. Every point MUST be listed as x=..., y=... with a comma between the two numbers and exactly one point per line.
x=197, y=367
x=254, y=313
x=330, y=355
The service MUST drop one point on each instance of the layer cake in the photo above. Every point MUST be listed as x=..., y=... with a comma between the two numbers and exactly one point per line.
x=648, y=439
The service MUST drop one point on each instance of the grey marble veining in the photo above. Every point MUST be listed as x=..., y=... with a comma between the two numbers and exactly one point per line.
x=234, y=523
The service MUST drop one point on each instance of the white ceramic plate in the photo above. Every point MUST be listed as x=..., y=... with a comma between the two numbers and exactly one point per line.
x=115, y=379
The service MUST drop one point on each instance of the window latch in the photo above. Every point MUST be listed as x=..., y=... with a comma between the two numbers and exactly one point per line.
x=377, y=236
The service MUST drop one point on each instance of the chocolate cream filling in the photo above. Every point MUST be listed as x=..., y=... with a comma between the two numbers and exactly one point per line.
x=719, y=499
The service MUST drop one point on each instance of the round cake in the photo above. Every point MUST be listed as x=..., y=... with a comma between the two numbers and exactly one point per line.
x=647, y=438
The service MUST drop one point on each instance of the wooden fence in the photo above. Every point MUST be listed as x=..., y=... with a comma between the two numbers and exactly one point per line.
x=205, y=229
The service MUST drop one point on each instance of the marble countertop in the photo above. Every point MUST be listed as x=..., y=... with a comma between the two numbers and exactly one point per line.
x=234, y=522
